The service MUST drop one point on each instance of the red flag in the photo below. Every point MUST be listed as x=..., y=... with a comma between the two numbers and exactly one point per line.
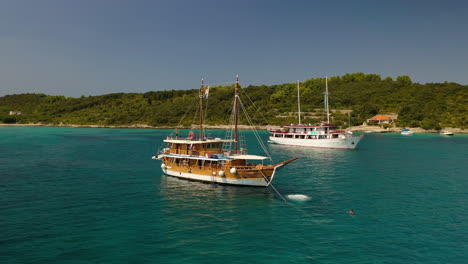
x=207, y=91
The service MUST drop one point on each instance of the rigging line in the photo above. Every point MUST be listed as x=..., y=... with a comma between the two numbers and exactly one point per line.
x=282, y=197
x=273, y=187
x=173, y=131
x=279, y=194
x=195, y=116
x=257, y=136
x=256, y=108
x=189, y=108
x=229, y=131
x=219, y=84
x=261, y=144
x=204, y=118
x=254, y=130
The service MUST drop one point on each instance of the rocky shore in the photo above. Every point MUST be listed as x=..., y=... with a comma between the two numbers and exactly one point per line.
x=377, y=129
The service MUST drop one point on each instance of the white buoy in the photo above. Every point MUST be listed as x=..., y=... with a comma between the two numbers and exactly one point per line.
x=163, y=166
x=221, y=173
x=233, y=170
x=298, y=197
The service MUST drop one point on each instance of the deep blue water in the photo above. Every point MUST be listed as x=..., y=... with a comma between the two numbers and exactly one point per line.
x=78, y=195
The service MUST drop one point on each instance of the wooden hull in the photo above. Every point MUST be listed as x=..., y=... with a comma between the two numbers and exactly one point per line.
x=248, y=175
x=260, y=182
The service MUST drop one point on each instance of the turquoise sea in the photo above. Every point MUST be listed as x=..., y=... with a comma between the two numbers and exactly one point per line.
x=80, y=195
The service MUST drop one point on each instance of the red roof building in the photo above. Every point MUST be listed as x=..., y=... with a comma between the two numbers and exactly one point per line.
x=380, y=119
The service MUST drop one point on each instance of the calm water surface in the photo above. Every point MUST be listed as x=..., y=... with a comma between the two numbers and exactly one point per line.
x=76, y=195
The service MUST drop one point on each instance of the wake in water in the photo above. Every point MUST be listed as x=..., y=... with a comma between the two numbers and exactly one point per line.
x=298, y=197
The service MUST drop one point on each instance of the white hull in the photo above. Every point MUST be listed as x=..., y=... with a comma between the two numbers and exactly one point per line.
x=216, y=179
x=407, y=133
x=333, y=143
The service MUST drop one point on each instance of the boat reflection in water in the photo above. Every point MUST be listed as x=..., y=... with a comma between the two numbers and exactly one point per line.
x=181, y=192
x=213, y=211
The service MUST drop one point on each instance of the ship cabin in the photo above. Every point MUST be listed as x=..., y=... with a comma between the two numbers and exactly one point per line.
x=200, y=155
x=203, y=148
x=307, y=131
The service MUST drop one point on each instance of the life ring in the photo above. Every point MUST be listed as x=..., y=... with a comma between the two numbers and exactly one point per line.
x=191, y=135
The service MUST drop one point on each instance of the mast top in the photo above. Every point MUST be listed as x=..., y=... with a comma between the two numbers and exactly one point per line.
x=200, y=93
x=298, y=102
x=326, y=99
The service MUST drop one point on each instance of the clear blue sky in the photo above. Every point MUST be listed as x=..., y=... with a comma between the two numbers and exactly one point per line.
x=92, y=47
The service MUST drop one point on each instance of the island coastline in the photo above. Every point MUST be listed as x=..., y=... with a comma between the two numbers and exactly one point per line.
x=359, y=129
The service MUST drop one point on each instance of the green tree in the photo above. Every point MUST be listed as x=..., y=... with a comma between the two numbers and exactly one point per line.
x=404, y=80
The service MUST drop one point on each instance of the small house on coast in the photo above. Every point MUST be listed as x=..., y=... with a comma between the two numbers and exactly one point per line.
x=379, y=119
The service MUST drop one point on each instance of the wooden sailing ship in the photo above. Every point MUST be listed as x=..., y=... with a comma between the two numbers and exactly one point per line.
x=199, y=158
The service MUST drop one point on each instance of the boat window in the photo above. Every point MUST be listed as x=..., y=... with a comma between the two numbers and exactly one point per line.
x=289, y=136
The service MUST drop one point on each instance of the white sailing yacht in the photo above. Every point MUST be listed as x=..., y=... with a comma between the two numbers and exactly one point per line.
x=324, y=135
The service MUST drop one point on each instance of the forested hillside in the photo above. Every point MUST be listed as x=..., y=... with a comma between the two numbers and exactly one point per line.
x=431, y=105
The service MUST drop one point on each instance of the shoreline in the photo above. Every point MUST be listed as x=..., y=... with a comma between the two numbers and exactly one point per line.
x=364, y=129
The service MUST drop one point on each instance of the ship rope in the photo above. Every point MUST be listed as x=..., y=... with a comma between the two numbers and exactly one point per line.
x=256, y=108
x=205, y=114
x=282, y=197
x=257, y=135
x=230, y=131
x=180, y=122
x=188, y=110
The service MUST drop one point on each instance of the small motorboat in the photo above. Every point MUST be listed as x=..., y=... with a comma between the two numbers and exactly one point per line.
x=406, y=132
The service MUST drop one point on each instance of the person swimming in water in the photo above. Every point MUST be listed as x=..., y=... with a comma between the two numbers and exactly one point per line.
x=351, y=211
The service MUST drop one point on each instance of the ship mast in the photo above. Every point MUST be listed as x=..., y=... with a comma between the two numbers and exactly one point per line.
x=236, y=115
x=201, y=110
x=326, y=100
x=298, y=102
